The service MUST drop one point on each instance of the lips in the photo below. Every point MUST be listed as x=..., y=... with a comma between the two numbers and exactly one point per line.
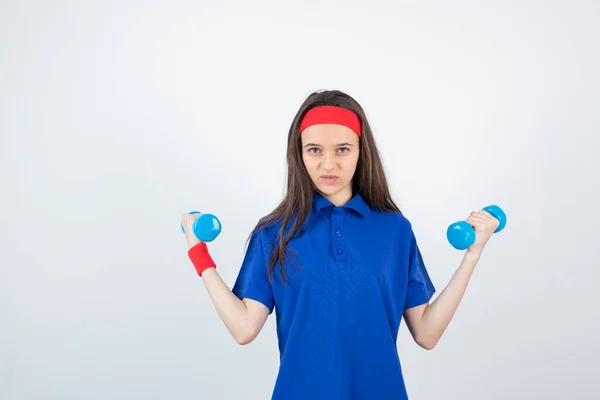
x=329, y=179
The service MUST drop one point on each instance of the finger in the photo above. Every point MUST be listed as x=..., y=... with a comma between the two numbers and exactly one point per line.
x=472, y=221
x=479, y=218
x=476, y=219
x=476, y=214
x=478, y=226
x=481, y=224
x=192, y=217
x=187, y=222
x=482, y=213
x=195, y=216
x=487, y=214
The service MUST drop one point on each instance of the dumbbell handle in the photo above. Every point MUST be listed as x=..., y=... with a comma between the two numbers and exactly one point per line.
x=461, y=234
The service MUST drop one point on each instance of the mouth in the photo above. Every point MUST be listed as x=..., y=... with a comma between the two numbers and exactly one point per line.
x=329, y=179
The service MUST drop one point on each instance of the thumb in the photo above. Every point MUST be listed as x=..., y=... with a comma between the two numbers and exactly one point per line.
x=187, y=222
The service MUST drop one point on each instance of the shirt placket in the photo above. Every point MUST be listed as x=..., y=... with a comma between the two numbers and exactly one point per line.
x=340, y=259
x=338, y=236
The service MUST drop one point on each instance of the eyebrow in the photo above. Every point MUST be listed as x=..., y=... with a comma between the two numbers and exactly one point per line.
x=318, y=145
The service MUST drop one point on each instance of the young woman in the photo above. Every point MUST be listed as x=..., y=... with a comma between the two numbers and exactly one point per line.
x=339, y=264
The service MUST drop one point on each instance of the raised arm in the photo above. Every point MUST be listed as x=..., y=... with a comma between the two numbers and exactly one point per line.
x=427, y=322
x=245, y=318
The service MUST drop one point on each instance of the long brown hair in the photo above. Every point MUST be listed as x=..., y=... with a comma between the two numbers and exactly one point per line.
x=369, y=178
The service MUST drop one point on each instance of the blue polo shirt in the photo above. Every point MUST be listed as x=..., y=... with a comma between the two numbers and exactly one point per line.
x=351, y=274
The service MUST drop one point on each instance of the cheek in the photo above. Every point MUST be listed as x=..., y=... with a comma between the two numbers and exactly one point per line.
x=350, y=164
x=305, y=160
x=309, y=163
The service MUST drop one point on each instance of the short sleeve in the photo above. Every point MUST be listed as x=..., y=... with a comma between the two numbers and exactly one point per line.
x=253, y=279
x=420, y=288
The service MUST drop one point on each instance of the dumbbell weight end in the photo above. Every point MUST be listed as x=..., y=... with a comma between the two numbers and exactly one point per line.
x=206, y=228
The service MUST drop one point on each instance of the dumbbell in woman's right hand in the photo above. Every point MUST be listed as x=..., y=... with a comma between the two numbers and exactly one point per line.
x=199, y=227
x=461, y=234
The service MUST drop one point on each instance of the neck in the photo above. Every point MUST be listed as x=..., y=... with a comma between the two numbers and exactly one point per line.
x=342, y=197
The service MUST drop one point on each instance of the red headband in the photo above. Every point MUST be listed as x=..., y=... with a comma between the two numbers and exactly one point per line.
x=331, y=115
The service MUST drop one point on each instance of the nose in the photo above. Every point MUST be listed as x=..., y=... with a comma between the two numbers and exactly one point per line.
x=328, y=162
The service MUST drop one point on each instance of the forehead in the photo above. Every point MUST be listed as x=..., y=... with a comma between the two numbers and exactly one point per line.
x=328, y=134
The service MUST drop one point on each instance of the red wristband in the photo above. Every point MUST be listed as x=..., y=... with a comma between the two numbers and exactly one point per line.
x=200, y=257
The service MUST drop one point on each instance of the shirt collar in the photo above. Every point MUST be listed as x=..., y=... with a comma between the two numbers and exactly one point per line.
x=356, y=203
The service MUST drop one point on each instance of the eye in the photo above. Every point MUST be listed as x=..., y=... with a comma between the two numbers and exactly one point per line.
x=313, y=148
x=344, y=148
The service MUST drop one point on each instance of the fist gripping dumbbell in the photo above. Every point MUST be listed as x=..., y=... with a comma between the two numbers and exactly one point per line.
x=206, y=227
x=461, y=235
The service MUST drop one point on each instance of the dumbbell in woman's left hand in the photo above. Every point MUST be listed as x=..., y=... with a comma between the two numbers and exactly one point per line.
x=484, y=224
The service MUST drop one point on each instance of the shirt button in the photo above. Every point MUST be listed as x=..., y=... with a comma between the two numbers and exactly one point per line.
x=340, y=251
x=334, y=212
x=338, y=234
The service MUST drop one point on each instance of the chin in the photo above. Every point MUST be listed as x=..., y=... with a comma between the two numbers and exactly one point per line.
x=328, y=190
x=331, y=189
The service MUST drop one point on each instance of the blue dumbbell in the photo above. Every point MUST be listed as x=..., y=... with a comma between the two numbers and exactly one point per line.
x=461, y=235
x=206, y=228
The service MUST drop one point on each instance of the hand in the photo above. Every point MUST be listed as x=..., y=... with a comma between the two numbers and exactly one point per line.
x=187, y=220
x=484, y=225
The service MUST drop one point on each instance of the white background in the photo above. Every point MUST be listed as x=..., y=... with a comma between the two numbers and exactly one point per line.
x=116, y=117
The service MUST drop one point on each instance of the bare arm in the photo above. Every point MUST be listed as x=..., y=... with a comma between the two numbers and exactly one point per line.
x=243, y=318
x=428, y=322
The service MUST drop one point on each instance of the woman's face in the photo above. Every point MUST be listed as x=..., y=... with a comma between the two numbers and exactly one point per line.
x=330, y=153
